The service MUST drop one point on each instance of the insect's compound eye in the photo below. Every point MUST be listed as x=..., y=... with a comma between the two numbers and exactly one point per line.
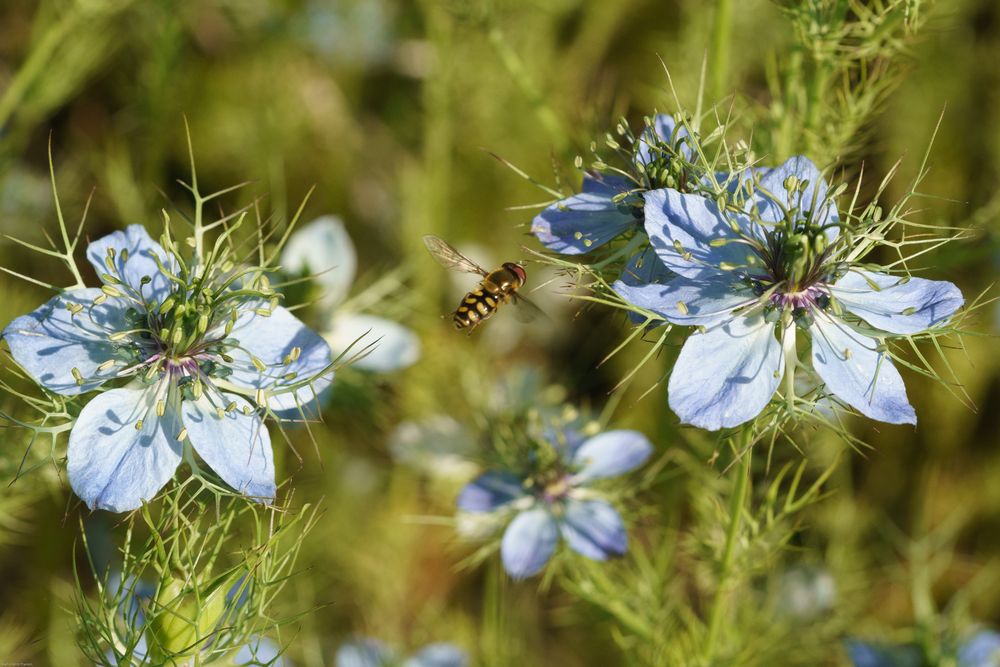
x=518, y=271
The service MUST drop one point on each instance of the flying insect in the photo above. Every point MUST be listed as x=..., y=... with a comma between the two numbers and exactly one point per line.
x=496, y=287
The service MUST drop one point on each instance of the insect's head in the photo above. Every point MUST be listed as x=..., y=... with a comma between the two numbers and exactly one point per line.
x=517, y=270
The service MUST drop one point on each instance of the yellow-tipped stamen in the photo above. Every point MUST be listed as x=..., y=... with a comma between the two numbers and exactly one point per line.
x=293, y=355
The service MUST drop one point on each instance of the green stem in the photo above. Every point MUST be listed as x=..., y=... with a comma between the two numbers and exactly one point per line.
x=818, y=84
x=791, y=361
x=721, y=36
x=742, y=449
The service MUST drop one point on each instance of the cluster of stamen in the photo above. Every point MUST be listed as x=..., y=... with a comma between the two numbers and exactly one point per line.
x=662, y=169
x=185, y=339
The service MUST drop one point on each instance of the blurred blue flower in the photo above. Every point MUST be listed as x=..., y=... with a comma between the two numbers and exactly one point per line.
x=206, y=355
x=865, y=654
x=373, y=653
x=560, y=502
x=805, y=592
x=355, y=32
x=778, y=265
x=324, y=249
x=980, y=650
x=437, y=446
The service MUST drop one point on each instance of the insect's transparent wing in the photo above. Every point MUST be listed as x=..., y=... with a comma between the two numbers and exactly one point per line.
x=526, y=310
x=450, y=258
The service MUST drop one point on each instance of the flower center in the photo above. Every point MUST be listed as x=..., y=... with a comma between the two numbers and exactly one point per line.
x=556, y=490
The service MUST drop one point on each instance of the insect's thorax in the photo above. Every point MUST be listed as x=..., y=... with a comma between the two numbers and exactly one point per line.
x=501, y=281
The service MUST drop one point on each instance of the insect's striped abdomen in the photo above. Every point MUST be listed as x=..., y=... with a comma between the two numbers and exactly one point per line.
x=478, y=305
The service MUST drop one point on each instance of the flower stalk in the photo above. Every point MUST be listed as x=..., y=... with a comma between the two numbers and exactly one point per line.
x=741, y=444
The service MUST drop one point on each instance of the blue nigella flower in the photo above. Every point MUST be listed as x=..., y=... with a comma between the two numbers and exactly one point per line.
x=609, y=205
x=373, y=653
x=749, y=279
x=324, y=249
x=205, y=353
x=560, y=501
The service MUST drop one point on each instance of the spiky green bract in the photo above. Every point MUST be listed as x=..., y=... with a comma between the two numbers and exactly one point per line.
x=195, y=578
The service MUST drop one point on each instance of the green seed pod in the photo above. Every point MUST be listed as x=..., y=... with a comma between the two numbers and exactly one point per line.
x=184, y=617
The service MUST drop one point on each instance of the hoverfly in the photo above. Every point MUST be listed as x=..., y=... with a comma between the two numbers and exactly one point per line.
x=497, y=287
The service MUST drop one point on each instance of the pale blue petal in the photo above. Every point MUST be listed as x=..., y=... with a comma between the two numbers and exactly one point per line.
x=773, y=180
x=860, y=376
x=136, y=264
x=814, y=195
x=324, y=249
x=235, y=445
x=112, y=464
x=980, y=650
x=50, y=342
x=610, y=454
x=726, y=376
x=259, y=651
x=489, y=492
x=644, y=268
x=593, y=528
x=662, y=131
x=439, y=655
x=585, y=221
x=271, y=340
x=529, y=542
x=364, y=653
x=707, y=300
x=393, y=346
x=694, y=223
x=898, y=305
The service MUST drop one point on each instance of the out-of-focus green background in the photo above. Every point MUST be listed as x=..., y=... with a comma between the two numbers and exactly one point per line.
x=386, y=107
